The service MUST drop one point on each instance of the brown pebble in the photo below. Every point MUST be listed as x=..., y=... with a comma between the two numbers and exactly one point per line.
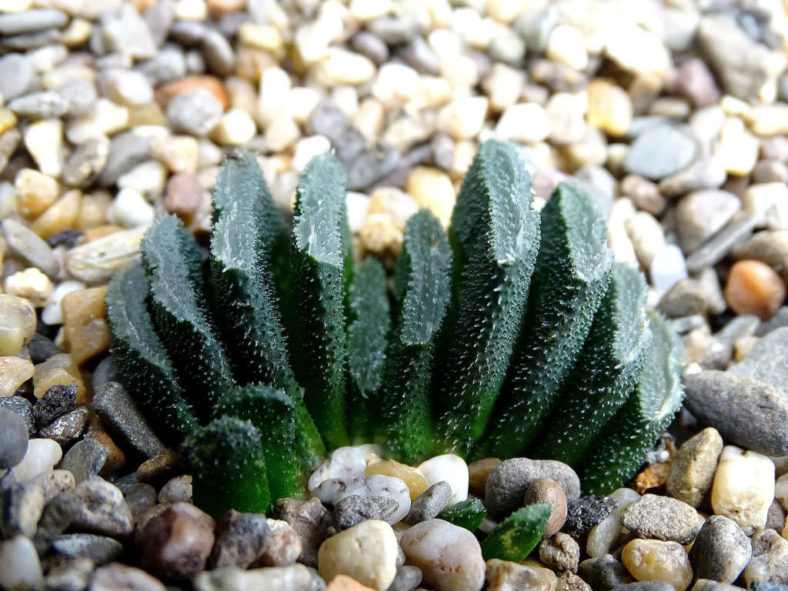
x=478, y=472
x=753, y=287
x=162, y=466
x=176, y=543
x=184, y=194
x=169, y=91
x=84, y=323
x=115, y=456
x=548, y=490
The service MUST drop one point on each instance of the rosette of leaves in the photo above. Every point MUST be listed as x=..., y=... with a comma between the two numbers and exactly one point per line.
x=513, y=333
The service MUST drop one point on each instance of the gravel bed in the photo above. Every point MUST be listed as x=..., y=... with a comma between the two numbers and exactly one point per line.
x=674, y=114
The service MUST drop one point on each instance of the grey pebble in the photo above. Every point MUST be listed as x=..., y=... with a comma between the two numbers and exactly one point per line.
x=86, y=162
x=20, y=509
x=746, y=412
x=57, y=516
x=85, y=459
x=660, y=151
x=40, y=347
x=584, y=513
x=770, y=171
x=66, y=428
x=775, y=518
x=177, y=490
x=768, y=586
x=29, y=41
x=105, y=372
x=701, y=214
x=398, y=29
x=218, y=53
x=17, y=75
x=120, y=577
x=28, y=245
x=429, y=503
x=646, y=586
x=560, y=552
x=80, y=94
x=56, y=401
x=70, y=574
x=604, y=573
x=124, y=31
x=310, y=519
x=100, y=549
x=354, y=509
x=240, y=538
x=13, y=438
x=140, y=497
x=41, y=105
x=662, y=518
x=29, y=21
x=121, y=416
x=188, y=33
x=168, y=64
x=715, y=249
x=407, y=579
x=687, y=297
x=159, y=16
x=22, y=408
x=508, y=481
x=371, y=46
x=709, y=585
x=102, y=508
x=421, y=56
x=721, y=550
x=705, y=173
x=196, y=112
x=126, y=151
x=770, y=247
x=769, y=558
x=765, y=361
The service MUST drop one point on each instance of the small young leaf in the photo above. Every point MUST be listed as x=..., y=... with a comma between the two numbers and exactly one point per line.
x=318, y=340
x=140, y=358
x=495, y=236
x=516, y=536
x=605, y=372
x=173, y=265
x=468, y=514
x=573, y=270
x=228, y=467
x=422, y=279
x=368, y=329
x=632, y=432
x=272, y=412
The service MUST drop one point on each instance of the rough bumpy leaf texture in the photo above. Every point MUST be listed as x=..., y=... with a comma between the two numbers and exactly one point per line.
x=490, y=341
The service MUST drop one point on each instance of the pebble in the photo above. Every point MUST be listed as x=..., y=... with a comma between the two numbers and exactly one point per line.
x=449, y=556
x=769, y=559
x=721, y=550
x=126, y=151
x=463, y=117
x=508, y=481
x=54, y=482
x=743, y=488
x=366, y=552
x=430, y=503
x=660, y=151
x=17, y=75
x=761, y=364
x=19, y=565
x=448, y=468
x=98, y=549
x=21, y=509
x=715, y=249
x=85, y=459
x=737, y=149
x=102, y=508
x=693, y=466
x=334, y=490
x=176, y=543
x=176, y=490
x=656, y=560
x=70, y=574
x=240, y=539
x=86, y=162
x=130, y=209
x=662, y=518
x=13, y=438
x=296, y=577
x=566, y=45
x=352, y=510
x=112, y=577
x=526, y=123
x=124, y=31
x=30, y=247
x=585, y=512
x=21, y=407
x=34, y=192
x=560, y=552
x=609, y=107
x=567, y=121
x=99, y=259
x=345, y=463
x=235, y=127
x=282, y=545
x=85, y=329
x=56, y=401
x=120, y=414
x=755, y=288
x=310, y=519
x=701, y=214
x=608, y=535
x=695, y=82
x=196, y=112
x=41, y=456
x=30, y=284
x=503, y=575
x=44, y=104
x=67, y=428
x=17, y=324
x=548, y=490
x=139, y=497
x=747, y=412
x=604, y=573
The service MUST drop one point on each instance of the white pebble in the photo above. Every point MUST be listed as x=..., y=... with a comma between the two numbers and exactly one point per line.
x=129, y=209
x=235, y=127
x=105, y=118
x=463, y=117
x=769, y=201
x=274, y=94
x=345, y=462
x=450, y=468
x=307, y=148
x=566, y=45
x=148, y=178
x=357, y=207
x=607, y=535
x=301, y=101
x=281, y=133
x=667, y=267
x=44, y=142
x=19, y=564
x=30, y=284
x=52, y=314
x=41, y=456
x=525, y=123
x=743, y=488
x=617, y=236
x=395, y=84
x=341, y=66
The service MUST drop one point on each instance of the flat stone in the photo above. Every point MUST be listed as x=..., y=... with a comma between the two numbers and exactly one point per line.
x=99, y=259
x=240, y=538
x=28, y=21
x=747, y=412
x=121, y=417
x=721, y=550
x=715, y=249
x=702, y=213
x=39, y=105
x=28, y=245
x=295, y=577
x=67, y=428
x=100, y=549
x=660, y=151
x=85, y=459
x=662, y=518
x=761, y=363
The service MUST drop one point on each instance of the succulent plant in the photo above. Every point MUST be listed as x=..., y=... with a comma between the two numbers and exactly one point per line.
x=513, y=334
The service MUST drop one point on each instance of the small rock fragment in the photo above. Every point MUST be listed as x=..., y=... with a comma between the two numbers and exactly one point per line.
x=721, y=550
x=693, y=466
x=662, y=518
x=548, y=490
x=655, y=560
x=366, y=552
x=743, y=487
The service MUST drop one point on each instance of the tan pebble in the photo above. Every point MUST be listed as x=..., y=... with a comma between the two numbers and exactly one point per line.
x=7, y=120
x=116, y=458
x=17, y=323
x=693, y=466
x=34, y=192
x=60, y=216
x=549, y=491
x=59, y=369
x=100, y=232
x=146, y=114
x=432, y=189
x=754, y=287
x=160, y=466
x=262, y=37
x=14, y=371
x=478, y=472
x=93, y=210
x=652, y=476
x=218, y=8
x=655, y=560
x=367, y=552
x=609, y=107
x=414, y=479
x=503, y=575
x=84, y=323
x=168, y=91
x=179, y=153
x=737, y=149
x=98, y=259
x=743, y=487
x=30, y=284
x=345, y=583
x=463, y=118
